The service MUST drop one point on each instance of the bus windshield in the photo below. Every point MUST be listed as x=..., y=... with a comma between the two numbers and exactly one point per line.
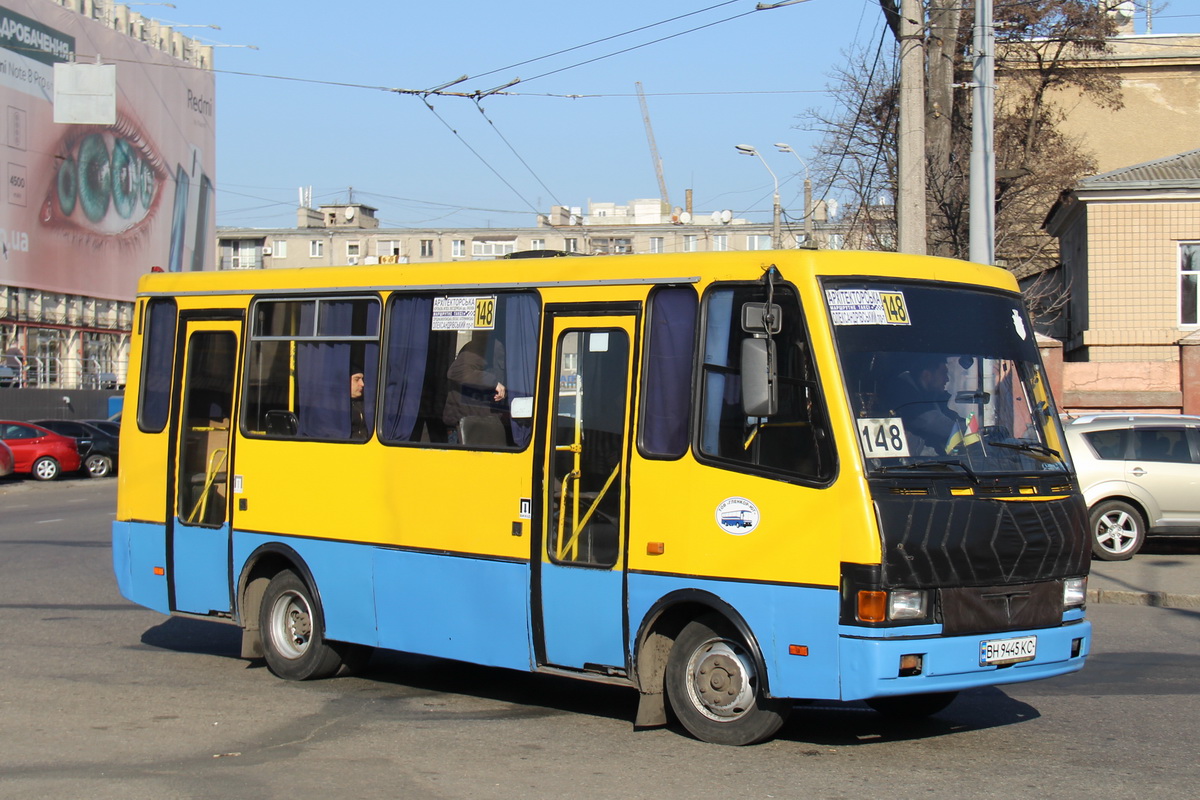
x=943, y=378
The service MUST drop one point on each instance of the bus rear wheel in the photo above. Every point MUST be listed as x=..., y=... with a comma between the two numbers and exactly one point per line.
x=293, y=631
x=714, y=687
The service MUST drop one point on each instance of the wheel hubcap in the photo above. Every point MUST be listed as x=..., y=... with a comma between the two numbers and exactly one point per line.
x=291, y=624
x=1116, y=532
x=721, y=681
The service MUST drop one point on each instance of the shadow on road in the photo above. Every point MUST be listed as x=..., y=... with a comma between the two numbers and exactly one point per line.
x=826, y=724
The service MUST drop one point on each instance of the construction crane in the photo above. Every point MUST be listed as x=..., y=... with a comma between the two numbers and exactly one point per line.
x=658, y=170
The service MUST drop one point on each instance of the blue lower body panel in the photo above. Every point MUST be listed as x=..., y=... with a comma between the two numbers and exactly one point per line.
x=138, y=549
x=850, y=663
x=470, y=609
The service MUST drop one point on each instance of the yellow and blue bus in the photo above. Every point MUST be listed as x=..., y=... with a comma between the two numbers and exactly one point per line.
x=729, y=481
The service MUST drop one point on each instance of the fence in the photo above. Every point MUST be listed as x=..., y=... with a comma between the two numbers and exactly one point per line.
x=36, y=372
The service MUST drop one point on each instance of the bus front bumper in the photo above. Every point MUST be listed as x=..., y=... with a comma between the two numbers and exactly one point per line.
x=881, y=667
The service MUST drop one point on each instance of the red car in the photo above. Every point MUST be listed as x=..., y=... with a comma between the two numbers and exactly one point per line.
x=43, y=454
x=6, y=460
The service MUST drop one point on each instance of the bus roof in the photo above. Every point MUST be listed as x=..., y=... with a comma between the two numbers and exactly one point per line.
x=793, y=265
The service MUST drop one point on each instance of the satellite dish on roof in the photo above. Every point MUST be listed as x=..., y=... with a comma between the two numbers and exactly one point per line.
x=726, y=216
x=348, y=212
x=715, y=217
x=685, y=217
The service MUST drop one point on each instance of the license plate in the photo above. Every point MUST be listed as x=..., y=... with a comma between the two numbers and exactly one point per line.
x=1007, y=651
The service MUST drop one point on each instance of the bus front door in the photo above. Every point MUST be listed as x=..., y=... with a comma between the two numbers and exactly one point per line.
x=198, y=505
x=581, y=547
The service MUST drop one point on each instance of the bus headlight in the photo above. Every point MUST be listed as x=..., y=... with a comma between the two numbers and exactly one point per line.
x=907, y=604
x=892, y=606
x=1074, y=592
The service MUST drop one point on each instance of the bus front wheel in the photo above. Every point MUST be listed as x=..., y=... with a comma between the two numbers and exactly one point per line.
x=293, y=631
x=714, y=687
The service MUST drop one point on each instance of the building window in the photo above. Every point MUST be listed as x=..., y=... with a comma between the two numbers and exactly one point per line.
x=427, y=248
x=1189, y=283
x=612, y=246
x=758, y=242
x=316, y=248
x=656, y=244
x=458, y=248
x=493, y=249
x=571, y=245
x=385, y=248
x=537, y=244
x=720, y=242
x=279, y=248
x=690, y=243
x=353, y=250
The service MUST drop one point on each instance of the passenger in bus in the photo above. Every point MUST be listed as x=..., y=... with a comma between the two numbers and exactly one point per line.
x=358, y=418
x=476, y=390
x=919, y=397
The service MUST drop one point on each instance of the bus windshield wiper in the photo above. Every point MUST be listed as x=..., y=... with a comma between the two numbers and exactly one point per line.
x=1028, y=447
x=932, y=463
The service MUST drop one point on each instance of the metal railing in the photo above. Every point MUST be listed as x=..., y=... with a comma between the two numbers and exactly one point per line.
x=36, y=372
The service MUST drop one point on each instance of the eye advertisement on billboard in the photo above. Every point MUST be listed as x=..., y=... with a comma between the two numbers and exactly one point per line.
x=88, y=207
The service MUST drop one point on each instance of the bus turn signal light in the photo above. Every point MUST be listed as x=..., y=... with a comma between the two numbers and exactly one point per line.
x=159, y=571
x=872, y=606
x=655, y=548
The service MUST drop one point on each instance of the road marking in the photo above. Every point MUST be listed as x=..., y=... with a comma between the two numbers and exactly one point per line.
x=45, y=521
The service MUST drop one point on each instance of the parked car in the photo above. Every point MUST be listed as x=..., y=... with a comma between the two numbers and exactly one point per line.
x=42, y=453
x=6, y=460
x=112, y=428
x=1140, y=475
x=97, y=447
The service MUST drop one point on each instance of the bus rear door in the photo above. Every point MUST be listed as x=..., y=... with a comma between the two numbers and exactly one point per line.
x=198, y=492
x=580, y=555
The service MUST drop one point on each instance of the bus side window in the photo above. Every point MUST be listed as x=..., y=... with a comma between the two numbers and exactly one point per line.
x=670, y=355
x=451, y=380
x=302, y=361
x=793, y=442
x=158, y=365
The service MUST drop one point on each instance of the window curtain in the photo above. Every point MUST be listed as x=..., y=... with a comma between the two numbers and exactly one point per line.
x=407, y=352
x=323, y=369
x=671, y=352
x=520, y=334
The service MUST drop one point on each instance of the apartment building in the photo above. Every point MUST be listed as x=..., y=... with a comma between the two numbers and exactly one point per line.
x=350, y=233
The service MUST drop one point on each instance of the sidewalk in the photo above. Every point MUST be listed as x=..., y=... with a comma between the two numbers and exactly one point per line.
x=1163, y=580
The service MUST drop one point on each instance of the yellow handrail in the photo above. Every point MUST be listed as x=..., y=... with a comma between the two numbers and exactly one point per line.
x=216, y=460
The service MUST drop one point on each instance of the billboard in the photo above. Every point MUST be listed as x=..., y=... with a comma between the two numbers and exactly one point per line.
x=89, y=206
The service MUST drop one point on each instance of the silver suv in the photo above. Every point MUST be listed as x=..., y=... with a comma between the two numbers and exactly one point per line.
x=1140, y=474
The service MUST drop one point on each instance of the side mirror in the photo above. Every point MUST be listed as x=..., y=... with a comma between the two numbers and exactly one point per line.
x=760, y=384
x=521, y=408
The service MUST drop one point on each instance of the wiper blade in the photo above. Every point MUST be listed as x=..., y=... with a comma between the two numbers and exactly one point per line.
x=931, y=463
x=1028, y=447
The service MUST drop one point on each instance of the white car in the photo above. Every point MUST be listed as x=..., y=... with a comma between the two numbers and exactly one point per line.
x=1140, y=475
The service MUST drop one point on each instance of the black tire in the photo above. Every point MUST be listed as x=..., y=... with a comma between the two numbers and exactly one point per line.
x=912, y=706
x=293, y=631
x=98, y=466
x=714, y=688
x=1116, y=529
x=45, y=469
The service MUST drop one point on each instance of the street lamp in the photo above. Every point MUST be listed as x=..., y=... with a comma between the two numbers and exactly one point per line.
x=776, y=238
x=808, y=209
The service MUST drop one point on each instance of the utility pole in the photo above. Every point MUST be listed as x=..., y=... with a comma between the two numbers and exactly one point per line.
x=982, y=248
x=910, y=193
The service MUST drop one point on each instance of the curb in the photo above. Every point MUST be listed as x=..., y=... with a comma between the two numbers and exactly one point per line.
x=1156, y=599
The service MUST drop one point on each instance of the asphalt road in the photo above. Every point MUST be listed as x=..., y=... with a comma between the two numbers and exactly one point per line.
x=102, y=699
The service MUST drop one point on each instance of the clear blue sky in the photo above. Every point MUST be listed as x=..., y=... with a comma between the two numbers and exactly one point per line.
x=739, y=80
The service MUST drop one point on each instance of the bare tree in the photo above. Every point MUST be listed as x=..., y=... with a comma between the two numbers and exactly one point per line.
x=1046, y=47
